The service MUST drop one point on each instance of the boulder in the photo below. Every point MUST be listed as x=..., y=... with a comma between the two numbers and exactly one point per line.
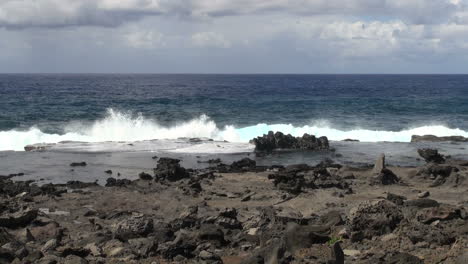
x=18, y=219
x=374, y=219
x=169, y=169
x=431, y=155
x=278, y=140
x=132, y=227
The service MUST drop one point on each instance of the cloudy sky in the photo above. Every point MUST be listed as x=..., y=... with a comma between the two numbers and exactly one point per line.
x=234, y=36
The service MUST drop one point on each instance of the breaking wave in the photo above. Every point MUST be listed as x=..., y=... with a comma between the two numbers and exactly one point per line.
x=121, y=126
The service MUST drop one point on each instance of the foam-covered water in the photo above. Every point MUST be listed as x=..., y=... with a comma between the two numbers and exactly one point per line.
x=119, y=126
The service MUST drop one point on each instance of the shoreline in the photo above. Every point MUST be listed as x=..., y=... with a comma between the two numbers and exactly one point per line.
x=243, y=213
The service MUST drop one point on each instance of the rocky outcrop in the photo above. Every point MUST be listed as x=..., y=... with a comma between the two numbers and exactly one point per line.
x=169, y=169
x=432, y=138
x=431, y=155
x=381, y=175
x=278, y=140
x=296, y=178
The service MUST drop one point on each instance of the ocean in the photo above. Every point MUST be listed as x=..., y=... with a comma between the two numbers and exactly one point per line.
x=120, y=121
x=49, y=108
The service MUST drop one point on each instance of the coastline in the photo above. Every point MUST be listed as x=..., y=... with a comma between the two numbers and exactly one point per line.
x=242, y=213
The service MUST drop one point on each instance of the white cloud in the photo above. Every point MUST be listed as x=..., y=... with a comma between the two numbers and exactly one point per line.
x=210, y=39
x=145, y=39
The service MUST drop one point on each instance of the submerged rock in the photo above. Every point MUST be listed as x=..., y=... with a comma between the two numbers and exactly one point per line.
x=278, y=140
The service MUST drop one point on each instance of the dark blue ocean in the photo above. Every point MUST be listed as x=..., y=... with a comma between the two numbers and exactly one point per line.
x=97, y=108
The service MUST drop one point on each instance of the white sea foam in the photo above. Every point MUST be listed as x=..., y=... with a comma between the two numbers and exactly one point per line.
x=120, y=126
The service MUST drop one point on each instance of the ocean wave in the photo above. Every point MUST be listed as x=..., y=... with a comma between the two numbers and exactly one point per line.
x=121, y=126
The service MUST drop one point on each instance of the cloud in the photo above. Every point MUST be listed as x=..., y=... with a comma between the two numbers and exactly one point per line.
x=145, y=39
x=210, y=39
x=112, y=13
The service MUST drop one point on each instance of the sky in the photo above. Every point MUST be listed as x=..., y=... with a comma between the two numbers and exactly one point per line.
x=233, y=36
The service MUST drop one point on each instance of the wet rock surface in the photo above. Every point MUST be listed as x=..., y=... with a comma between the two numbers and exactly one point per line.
x=241, y=213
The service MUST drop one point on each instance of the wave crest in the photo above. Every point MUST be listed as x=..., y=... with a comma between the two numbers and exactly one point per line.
x=122, y=126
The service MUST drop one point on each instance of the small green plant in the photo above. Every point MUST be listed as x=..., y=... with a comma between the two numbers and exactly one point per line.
x=334, y=240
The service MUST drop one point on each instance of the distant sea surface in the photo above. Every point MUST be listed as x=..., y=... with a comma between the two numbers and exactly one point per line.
x=50, y=108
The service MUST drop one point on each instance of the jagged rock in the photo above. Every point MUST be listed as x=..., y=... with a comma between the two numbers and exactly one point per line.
x=228, y=219
x=78, y=164
x=18, y=219
x=132, y=227
x=417, y=232
x=33, y=257
x=332, y=218
x=145, y=176
x=5, y=236
x=374, y=219
x=379, y=164
x=169, y=169
x=243, y=165
x=442, y=213
x=336, y=254
x=278, y=140
x=50, y=245
x=112, y=182
x=381, y=175
x=143, y=247
x=423, y=194
x=432, y=138
x=213, y=234
x=184, y=244
x=46, y=232
x=431, y=155
x=402, y=258
x=396, y=199
x=422, y=203
x=72, y=259
x=80, y=185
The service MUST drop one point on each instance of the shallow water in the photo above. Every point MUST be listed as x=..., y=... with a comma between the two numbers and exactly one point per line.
x=52, y=165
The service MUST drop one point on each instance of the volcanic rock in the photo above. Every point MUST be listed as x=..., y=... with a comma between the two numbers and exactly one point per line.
x=432, y=138
x=382, y=175
x=278, y=140
x=18, y=219
x=133, y=227
x=431, y=155
x=112, y=182
x=169, y=169
x=78, y=164
x=374, y=219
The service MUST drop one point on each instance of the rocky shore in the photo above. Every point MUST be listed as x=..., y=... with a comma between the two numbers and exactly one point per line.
x=243, y=213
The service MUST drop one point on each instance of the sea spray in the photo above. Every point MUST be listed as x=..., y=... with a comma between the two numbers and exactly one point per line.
x=126, y=127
